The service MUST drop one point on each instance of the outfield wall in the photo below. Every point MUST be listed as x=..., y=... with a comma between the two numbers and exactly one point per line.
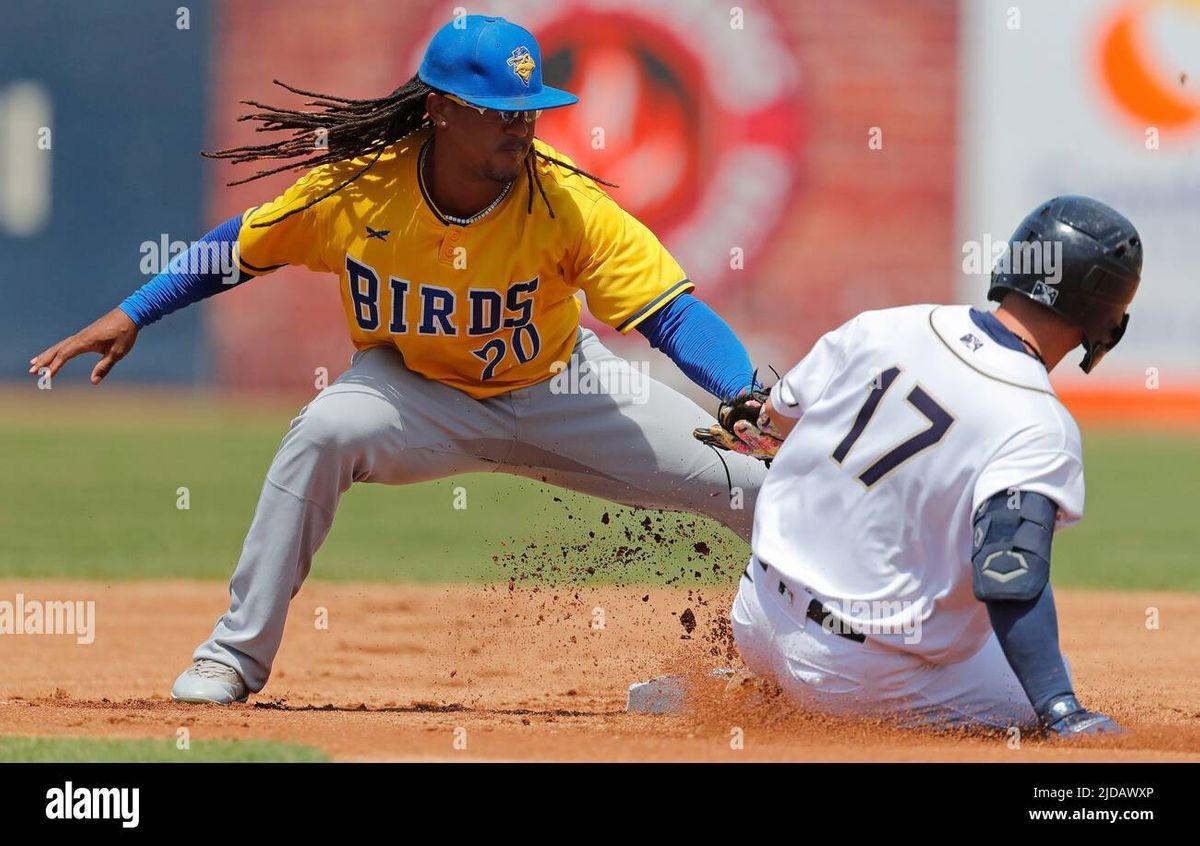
x=805, y=161
x=744, y=143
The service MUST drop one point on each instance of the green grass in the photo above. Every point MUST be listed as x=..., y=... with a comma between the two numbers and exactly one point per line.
x=1140, y=524
x=58, y=750
x=98, y=500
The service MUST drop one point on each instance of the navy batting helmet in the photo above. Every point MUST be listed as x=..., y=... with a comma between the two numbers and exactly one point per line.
x=1080, y=259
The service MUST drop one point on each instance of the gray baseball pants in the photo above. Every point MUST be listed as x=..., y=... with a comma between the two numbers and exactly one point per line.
x=381, y=422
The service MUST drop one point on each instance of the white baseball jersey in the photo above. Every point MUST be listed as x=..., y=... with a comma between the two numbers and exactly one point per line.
x=909, y=419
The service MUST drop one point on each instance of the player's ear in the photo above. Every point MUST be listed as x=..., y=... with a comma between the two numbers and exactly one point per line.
x=438, y=108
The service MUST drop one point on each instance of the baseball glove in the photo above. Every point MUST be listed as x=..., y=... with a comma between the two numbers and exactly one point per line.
x=739, y=428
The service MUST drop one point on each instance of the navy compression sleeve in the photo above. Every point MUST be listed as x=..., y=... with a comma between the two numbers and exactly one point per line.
x=1028, y=635
x=207, y=267
x=701, y=344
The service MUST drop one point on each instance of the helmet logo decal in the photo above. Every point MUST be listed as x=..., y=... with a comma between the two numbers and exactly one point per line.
x=522, y=64
x=1044, y=293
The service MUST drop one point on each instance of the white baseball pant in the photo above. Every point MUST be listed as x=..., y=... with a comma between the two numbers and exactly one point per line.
x=830, y=673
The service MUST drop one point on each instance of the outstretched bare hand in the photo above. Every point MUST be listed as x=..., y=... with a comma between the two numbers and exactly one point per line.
x=112, y=336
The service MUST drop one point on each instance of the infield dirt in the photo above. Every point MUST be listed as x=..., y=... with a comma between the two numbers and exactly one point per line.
x=482, y=672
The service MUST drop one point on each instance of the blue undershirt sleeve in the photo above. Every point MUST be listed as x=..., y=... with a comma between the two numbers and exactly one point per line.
x=1028, y=635
x=208, y=267
x=701, y=344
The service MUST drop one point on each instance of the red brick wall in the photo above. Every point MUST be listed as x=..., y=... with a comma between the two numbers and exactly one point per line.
x=867, y=228
x=870, y=228
x=276, y=330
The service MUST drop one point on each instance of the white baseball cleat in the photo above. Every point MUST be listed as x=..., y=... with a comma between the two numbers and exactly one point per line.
x=209, y=682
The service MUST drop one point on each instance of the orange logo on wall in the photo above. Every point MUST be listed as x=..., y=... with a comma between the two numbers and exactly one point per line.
x=1147, y=92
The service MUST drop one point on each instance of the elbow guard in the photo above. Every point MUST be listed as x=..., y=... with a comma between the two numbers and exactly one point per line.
x=1011, y=550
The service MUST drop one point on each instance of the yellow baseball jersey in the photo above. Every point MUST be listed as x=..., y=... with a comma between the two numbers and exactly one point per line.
x=487, y=307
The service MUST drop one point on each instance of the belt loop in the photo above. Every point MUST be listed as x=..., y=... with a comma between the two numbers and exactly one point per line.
x=817, y=611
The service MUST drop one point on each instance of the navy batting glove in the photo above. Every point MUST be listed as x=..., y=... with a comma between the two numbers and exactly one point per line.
x=1065, y=717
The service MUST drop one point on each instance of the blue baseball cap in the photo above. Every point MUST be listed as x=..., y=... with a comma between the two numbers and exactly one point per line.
x=489, y=62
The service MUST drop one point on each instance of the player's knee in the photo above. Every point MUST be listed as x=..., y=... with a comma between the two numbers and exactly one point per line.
x=343, y=421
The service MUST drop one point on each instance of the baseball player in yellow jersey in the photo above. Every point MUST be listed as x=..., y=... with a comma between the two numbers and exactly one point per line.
x=444, y=294
x=459, y=241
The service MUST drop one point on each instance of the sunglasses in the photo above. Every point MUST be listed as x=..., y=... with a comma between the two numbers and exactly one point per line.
x=506, y=117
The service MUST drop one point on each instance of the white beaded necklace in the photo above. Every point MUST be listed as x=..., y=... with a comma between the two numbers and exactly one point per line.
x=460, y=221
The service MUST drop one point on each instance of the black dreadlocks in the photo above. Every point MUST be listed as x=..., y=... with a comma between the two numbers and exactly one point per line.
x=351, y=129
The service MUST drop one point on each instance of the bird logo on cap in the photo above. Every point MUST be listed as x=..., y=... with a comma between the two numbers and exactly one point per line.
x=522, y=64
